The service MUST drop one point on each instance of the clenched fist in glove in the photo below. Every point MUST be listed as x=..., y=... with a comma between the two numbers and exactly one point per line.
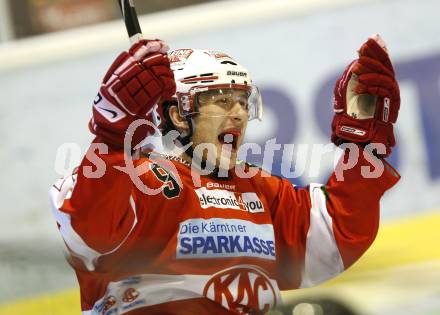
x=367, y=99
x=136, y=81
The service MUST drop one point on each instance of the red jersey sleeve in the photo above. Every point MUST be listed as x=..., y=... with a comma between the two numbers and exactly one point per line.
x=323, y=229
x=95, y=206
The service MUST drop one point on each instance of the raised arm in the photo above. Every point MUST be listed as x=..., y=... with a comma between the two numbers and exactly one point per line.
x=324, y=229
x=95, y=207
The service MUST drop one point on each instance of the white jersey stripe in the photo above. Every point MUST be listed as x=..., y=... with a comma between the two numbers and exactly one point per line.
x=322, y=259
x=61, y=191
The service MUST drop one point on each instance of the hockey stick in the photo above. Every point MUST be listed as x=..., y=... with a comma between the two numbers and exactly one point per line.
x=131, y=20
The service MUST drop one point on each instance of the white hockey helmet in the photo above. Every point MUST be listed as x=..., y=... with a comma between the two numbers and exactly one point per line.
x=197, y=71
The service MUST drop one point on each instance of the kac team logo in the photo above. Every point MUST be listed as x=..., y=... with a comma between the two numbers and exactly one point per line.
x=244, y=289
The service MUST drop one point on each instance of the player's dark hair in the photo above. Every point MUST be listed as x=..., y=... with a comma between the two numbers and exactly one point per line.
x=167, y=124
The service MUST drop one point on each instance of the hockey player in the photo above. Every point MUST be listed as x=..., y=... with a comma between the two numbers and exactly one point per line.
x=228, y=244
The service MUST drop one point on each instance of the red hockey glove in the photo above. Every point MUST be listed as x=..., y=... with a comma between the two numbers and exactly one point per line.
x=133, y=85
x=367, y=99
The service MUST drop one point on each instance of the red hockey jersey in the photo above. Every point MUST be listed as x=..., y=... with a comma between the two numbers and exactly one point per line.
x=214, y=247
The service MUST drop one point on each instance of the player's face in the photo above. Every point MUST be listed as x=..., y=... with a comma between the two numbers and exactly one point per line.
x=221, y=123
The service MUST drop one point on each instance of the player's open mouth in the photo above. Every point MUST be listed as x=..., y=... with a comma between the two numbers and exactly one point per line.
x=230, y=136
